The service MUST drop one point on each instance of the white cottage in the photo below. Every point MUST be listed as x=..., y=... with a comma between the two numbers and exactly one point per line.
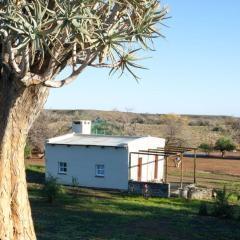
x=102, y=161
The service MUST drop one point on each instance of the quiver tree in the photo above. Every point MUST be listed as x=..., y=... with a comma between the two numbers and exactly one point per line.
x=38, y=39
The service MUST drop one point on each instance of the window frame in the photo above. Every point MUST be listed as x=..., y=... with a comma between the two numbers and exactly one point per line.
x=62, y=169
x=100, y=167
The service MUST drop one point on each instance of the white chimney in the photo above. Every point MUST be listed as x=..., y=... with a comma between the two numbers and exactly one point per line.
x=82, y=127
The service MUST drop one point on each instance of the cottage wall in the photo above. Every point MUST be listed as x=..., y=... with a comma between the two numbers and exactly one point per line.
x=81, y=162
x=148, y=162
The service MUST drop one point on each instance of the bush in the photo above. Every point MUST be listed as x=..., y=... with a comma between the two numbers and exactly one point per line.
x=203, y=210
x=207, y=148
x=224, y=144
x=222, y=208
x=218, y=129
x=75, y=185
x=52, y=189
x=27, y=151
x=200, y=123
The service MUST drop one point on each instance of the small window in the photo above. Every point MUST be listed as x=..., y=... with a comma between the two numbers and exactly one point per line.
x=100, y=170
x=62, y=168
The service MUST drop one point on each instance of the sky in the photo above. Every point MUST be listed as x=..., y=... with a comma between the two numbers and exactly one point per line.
x=195, y=70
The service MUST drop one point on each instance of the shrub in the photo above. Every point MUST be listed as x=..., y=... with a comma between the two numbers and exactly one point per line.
x=218, y=129
x=75, y=185
x=203, y=210
x=207, y=148
x=222, y=208
x=224, y=144
x=200, y=123
x=27, y=151
x=52, y=189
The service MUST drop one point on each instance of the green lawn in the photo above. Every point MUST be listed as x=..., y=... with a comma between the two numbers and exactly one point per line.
x=99, y=215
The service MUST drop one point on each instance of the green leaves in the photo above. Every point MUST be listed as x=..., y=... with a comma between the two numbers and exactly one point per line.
x=128, y=62
x=108, y=29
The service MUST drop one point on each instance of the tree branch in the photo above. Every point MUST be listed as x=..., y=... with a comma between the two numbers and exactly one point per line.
x=10, y=50
x=74, y=57
x=113, y=14
x=52, y=64
x=32, y=79
x=25, y=65
x=72, y=77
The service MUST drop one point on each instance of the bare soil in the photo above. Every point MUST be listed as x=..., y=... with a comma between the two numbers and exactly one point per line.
x=210, y=165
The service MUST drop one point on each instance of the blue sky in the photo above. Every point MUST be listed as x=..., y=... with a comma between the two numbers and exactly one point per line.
x=195, y=70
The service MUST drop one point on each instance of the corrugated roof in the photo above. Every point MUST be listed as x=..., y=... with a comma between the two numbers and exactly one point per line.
x=92, y=140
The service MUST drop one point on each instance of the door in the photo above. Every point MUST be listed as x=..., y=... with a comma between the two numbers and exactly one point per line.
x=156, y=167
x=139, y=169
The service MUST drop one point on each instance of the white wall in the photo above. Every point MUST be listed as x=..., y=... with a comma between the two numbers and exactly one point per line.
x=147, y=161
x=81, y=163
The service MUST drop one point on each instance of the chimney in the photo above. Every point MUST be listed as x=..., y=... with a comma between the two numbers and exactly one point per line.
x=82, y=127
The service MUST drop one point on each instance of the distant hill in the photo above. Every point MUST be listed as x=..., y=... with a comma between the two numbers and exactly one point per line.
x=191, y=130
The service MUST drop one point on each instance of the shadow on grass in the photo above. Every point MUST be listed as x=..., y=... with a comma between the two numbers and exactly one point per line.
x=35, y=174
x=127, y=218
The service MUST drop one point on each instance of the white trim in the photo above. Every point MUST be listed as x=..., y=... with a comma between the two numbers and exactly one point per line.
x=100, y=170
x=62, y=167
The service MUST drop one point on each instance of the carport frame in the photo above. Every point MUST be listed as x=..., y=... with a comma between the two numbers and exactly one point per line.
x=166, y=152
x=151, y=153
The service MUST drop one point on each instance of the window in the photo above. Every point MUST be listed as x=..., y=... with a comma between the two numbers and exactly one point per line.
x=62, y=167
x=100, y=170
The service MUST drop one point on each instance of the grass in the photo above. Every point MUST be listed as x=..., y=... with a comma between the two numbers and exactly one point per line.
x=101, y=215
x=209, y=180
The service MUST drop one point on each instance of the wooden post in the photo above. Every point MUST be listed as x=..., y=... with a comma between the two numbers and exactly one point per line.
x=166, y=169
x=195, y=167
x=129, y=166
x=181, y=178
x=139, y=169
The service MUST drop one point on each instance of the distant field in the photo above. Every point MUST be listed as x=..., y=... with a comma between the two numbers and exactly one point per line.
x=211, y=172
x=101, y=215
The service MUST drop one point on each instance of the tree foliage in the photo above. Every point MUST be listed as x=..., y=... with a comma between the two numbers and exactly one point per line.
x=207, y=148
x=224, y=144
x=222, y=207
x=38, y=38
x=51, y=189
x=27, y=151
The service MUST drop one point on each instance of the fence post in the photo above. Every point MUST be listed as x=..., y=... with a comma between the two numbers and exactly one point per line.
x=195, y=166
x=166, y=169
x=181, y=179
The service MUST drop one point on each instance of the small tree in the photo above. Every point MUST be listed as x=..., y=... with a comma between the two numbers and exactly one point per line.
x=75, y=184
x=173, y=129
x=224, y=144
x=207, y=148
x=222, y=207
x=52, y=189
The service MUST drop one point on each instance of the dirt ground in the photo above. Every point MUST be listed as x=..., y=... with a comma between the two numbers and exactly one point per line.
x=35, y=160
x=212, y=172
x=210, y=165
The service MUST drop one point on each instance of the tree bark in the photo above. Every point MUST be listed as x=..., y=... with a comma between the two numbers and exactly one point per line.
x=19, y=107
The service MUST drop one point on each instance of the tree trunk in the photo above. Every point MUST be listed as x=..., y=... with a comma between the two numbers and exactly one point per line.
x=19, y=107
